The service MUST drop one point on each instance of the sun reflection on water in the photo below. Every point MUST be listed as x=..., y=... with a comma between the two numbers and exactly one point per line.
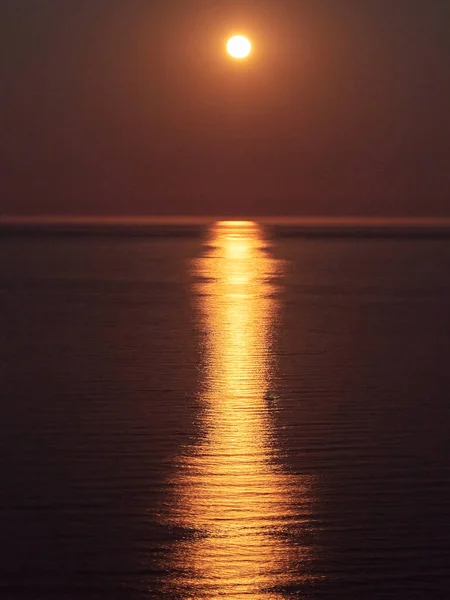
x=233, y=501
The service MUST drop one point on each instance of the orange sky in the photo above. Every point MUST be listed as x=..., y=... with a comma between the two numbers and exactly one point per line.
x=133, y=108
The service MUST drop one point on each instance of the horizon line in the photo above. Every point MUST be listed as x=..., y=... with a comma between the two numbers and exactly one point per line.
x=312, y=221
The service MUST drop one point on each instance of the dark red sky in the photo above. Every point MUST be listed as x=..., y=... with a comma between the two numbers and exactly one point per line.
x=131, y=107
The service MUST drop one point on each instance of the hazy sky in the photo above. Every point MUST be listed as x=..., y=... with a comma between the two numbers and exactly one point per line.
x=132, y=107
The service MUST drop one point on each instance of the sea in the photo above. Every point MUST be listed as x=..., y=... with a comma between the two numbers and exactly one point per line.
x=224, y=410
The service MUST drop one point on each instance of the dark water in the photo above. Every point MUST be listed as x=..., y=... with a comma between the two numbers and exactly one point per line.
x=230, y=416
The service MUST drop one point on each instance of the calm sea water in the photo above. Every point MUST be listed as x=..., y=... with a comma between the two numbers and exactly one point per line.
x=225, y=416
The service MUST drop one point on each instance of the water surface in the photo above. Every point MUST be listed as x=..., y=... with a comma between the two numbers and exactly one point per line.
x=234, y=415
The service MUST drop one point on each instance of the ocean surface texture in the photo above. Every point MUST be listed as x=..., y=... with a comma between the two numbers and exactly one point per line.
x=224, y=414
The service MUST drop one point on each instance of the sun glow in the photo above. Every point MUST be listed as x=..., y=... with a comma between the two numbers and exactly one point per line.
x=239, y=47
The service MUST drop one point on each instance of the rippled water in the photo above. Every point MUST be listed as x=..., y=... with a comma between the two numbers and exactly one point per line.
x=227, y=416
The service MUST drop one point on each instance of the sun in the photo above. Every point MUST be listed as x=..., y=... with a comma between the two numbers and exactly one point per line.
x=239, y=47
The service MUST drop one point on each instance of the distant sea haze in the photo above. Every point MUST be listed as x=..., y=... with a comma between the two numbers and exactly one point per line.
x=187, y=225
x=239, y=409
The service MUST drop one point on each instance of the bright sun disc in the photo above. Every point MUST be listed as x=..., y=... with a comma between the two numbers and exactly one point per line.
x=239, y=46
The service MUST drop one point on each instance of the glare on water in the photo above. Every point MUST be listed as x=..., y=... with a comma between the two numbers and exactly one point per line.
x=232, y=498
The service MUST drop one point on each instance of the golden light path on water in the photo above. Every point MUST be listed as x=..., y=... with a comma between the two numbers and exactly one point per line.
x=234, y=502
